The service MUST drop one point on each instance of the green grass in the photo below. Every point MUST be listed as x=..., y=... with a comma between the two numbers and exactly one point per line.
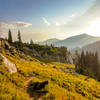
x=63, y=83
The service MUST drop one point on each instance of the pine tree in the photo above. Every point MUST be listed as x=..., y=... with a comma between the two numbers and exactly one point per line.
x=20, y=44
x=82, y=61
x=9, y=36
x=19, y=37
x=96, y=64
x=31, y=42
x=88, y=64
x=76, y=61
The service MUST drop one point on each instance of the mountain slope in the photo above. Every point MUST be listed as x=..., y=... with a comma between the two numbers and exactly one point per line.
x=63, y=82
x=77, y=41
x=94, y=47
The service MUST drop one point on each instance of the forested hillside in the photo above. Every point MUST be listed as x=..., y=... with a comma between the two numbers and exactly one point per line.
x=24, y=76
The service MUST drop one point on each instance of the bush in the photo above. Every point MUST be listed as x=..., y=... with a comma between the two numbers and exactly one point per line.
x=1, y=59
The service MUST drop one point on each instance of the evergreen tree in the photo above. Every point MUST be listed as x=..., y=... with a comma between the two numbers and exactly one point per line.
x=9, y=36
x=20, y=44
x=88, y=64
x=82, y=61
x=96, y=64
x=19, y=37
x=76, y=60
x=31, y=42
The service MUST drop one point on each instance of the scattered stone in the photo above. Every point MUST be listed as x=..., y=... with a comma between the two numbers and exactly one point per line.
x=55, y=67
x=42, y=63
x=76, y=74
x=60, y=65
x=22, y=60
x=70, y=71
x=30, y=59
x=30, y=75
x=69, y=68
x=86, y=79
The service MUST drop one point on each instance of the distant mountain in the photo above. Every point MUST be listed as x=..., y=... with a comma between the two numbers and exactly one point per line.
x=50, y=41
x=77, y=41
x=94, y=47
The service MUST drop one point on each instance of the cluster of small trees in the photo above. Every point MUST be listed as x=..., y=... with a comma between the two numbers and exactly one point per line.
x=87, y=63
x=48, y=52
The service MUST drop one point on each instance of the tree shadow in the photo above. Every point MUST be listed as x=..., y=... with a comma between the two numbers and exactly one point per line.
x=37, y=89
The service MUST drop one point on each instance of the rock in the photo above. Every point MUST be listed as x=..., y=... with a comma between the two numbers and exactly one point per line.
x=30, y=59
x=30, y=75
x=86, y=79
x=22, y=60
x=55, y=67
x=69, y=59
x=70, y=71
x=4, y=44
x=76, y=74
x=69, y=68
x=42, y=63
x=11, y=66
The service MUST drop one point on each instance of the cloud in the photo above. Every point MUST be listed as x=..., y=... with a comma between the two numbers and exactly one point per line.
x=60, y=21
x=83, y=22
x=58, y=24
x=13, y=25
x=73, y=15
x=45, y=21
x=5, y=26
x=21, y=24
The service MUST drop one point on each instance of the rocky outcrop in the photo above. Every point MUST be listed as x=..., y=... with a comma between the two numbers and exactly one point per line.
x=10, y=66
x=69, y=59
x=4, y=44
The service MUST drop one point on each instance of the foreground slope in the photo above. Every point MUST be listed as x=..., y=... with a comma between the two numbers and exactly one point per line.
x=64, y=82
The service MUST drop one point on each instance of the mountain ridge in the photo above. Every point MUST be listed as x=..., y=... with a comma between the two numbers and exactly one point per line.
x=49, y=41
x=93, y=47
x=76, y=41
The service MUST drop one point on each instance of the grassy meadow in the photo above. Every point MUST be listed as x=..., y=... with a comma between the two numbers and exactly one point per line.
x=64, y=82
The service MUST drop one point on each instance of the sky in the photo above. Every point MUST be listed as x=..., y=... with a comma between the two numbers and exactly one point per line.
x=44, y=19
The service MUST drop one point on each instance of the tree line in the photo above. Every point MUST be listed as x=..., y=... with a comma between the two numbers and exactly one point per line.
x=43, y=51
x=87, y=63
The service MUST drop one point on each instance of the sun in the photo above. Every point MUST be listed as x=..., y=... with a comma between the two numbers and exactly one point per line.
x=95, y=28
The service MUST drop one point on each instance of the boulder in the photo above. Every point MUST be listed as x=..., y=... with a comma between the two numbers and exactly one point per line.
x=10, y=66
